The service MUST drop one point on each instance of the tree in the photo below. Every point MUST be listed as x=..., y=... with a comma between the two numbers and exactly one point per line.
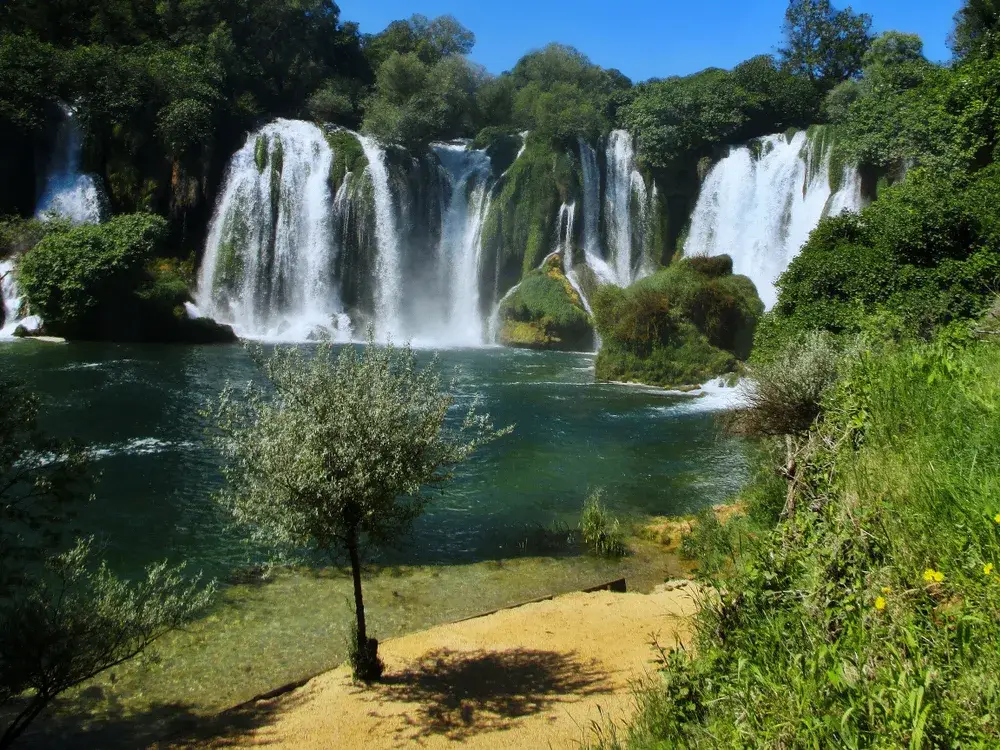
x=61, y=621
x=822, y=43
x=977, y=29
x=339, y=454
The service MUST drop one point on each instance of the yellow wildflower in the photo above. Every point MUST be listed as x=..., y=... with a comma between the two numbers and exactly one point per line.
x=887, y=589
x=880, y=603
x=988, y=569
x=938, y=576
x=933, y=576
x=997, y=518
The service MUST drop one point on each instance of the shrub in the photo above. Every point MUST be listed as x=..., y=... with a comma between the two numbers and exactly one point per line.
x=601, y=531
x=682, y=325
x=76, y=279
x=785, y=393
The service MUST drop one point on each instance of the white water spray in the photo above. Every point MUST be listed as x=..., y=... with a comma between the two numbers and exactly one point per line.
x=388, y=264
x=761, y=210
x=623, y=183
x=460, y=251
x=268, y=261
x=70, y=193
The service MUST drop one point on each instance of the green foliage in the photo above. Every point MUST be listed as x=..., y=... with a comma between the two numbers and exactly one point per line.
x=415, y=102
x=430, y=40
x=906, y=110
x=601, y=531
x=867, y=617
x=822, y=43
x=927, y=251
x=70, y=276
x=348, y=156
x=977, y=29
x=544, y=311
x=682, y=119
x=338, y=101
x=61, y=620
x=340, y=453
x=520, y=222
x=684, y=324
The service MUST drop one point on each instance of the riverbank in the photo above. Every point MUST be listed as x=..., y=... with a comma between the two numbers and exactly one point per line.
x=267, y=633
x=541, y=675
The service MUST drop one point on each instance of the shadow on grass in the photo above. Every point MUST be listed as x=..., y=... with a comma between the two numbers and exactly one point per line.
x=461, y=694
x=86, y=721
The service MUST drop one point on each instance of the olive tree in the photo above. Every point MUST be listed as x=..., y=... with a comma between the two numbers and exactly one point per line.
x=63, y=619
x=339, y=453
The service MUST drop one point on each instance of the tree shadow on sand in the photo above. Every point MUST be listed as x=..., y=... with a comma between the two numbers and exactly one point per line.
x=76, y=723
x=464, y=693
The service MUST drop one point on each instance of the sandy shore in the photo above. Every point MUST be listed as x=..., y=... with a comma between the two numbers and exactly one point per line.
x=537, y=676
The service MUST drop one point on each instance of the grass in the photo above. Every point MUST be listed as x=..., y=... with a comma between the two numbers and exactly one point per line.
x=602, y=532
x=868, y=616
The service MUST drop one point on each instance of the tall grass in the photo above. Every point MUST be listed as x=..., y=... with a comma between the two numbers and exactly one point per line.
x=871, y=616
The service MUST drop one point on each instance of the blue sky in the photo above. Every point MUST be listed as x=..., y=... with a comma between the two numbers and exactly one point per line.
x=644, y=38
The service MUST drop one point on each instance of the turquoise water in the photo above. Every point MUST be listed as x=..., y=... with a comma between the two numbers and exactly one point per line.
x=136, y=408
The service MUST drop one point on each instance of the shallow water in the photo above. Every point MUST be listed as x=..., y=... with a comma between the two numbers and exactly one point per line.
x=500, y=535
x=136, y=408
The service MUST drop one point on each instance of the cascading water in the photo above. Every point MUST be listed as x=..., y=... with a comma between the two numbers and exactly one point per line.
x=565, y=223
x=460, y=323
x=70, y=193
x=268, y=265
x=761, y=210
x=623, y=183
x=388, y=265
x=592, y=215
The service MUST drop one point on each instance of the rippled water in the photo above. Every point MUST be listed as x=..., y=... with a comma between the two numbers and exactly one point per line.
x=136, y=408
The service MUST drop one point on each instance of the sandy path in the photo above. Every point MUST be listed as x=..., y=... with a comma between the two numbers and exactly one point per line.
x=536, y=676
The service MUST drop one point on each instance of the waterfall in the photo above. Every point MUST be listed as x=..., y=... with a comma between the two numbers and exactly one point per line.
x=622, y=184
x=565, y=224
x=592, y=215
x=268, y=265
x=68, y=192
x=761, y=209
x=467, y=174
x=388, y=264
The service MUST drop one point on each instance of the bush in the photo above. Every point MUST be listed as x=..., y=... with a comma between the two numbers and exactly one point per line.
x=785, y=393
x=684, y=324
x=867, y=619
x=77, y=280
x=104, y=282
x=601, y=531
x=928, y=251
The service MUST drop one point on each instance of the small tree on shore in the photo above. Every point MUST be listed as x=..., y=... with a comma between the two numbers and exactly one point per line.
x=63, y=620
x=339, y=454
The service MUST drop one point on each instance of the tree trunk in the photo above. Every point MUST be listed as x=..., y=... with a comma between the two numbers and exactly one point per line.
x=359, y=602
x=22, y=720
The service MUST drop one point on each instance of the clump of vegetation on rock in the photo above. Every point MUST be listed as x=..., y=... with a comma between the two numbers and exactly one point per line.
x=689, y=322
x=105, y=282
x=545, y=312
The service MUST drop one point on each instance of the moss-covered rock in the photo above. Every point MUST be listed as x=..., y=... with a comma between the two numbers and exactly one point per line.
x=348, y=156
x=545, y=312
x=501, y=144
x=683, y=325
